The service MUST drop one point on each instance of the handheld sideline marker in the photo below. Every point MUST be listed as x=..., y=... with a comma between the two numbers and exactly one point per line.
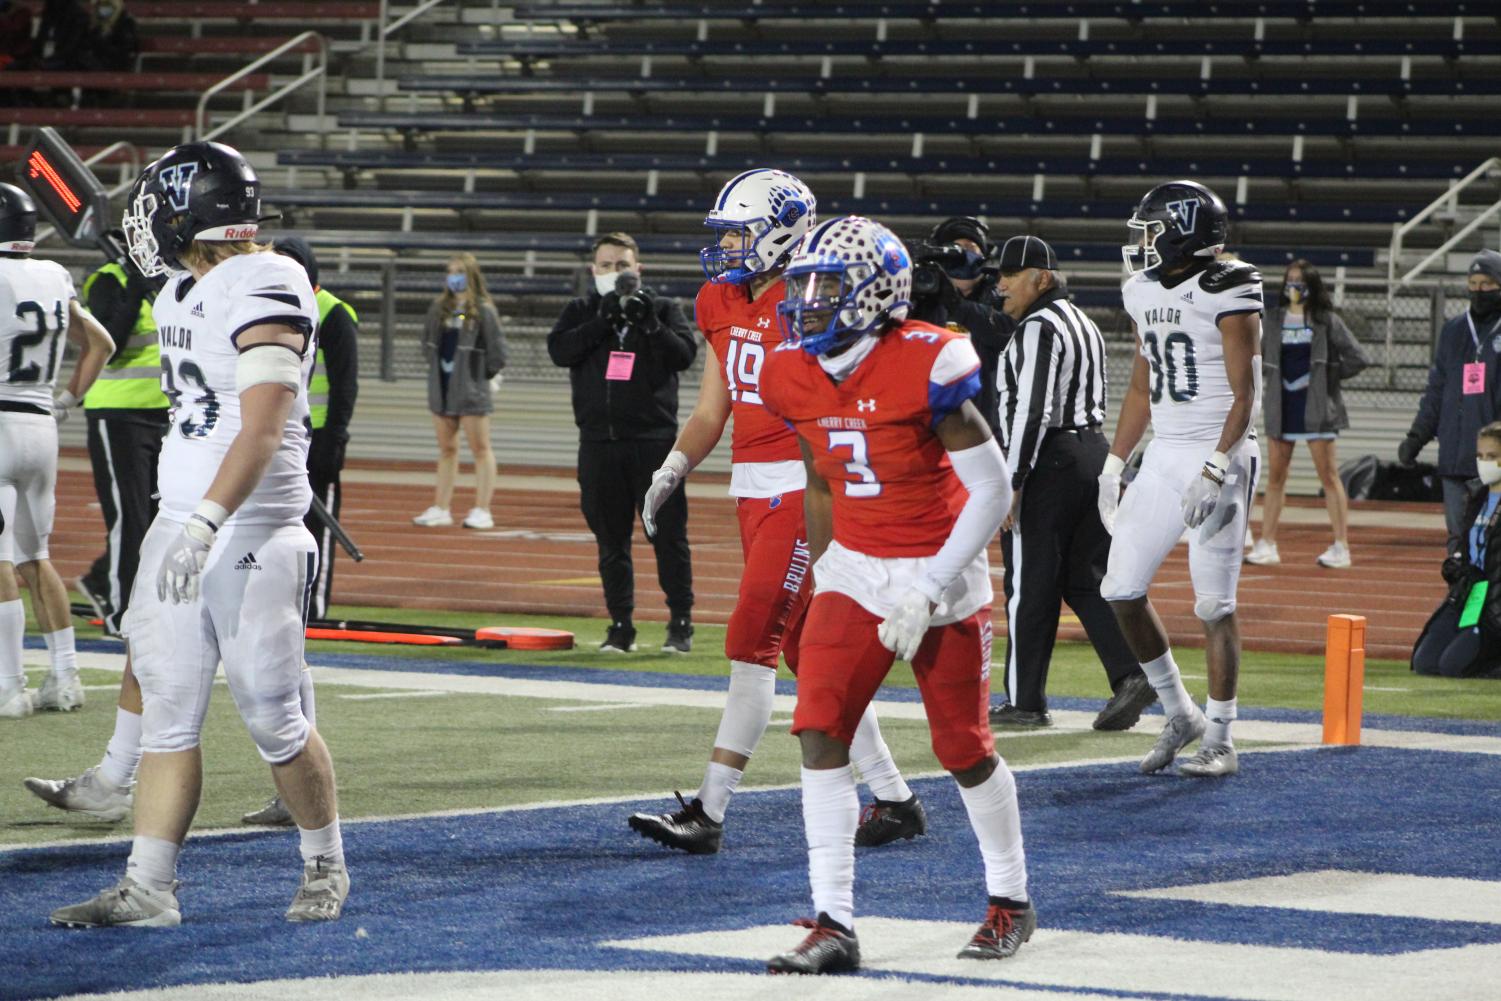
x=1344, y=678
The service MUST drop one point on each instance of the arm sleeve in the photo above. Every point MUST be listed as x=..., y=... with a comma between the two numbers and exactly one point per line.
x=674, y=336
x=339, y=339
x=115, y=306
x=982, y=470
x=495, y=340
x=576, y=334
x=1031, y=367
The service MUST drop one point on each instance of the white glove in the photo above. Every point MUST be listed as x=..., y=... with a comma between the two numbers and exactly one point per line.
x=496, y=381
x=1110, y=491
x=1204, y=492
x=183, y=564
x=663, y=482
x=61, y=406
x=902, y=631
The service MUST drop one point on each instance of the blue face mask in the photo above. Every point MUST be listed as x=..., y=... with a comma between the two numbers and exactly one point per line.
x=457, y=283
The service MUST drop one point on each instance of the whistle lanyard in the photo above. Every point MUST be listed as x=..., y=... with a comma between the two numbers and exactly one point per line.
x=1475, y=337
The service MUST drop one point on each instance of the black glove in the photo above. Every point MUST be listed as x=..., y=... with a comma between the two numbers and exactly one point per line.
x=326, y=454
x=609, y=306
x=1453, y=569
x=639, y=309
x=1407, y=452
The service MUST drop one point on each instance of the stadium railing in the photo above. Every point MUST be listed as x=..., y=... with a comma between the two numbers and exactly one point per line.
x=937, y=10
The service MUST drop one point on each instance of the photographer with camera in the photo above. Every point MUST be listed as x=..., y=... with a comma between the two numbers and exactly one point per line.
x=954, y=286
x=624, y=347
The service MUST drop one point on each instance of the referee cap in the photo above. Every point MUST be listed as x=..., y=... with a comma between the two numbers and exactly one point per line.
x=1022, y=252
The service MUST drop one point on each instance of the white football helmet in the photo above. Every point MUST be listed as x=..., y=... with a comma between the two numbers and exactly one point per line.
x=770, y=210
x=852, y=270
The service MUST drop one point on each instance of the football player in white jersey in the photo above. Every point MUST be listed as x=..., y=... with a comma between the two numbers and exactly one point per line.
x=227, y=563
x=37, y=307
x=1196, y=379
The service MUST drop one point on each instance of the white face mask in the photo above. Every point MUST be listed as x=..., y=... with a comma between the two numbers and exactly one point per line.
x=1490, y=472
x=605, y=284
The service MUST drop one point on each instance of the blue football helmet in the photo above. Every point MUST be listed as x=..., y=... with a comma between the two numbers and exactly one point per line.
x=1174, y=224
x=849, y=277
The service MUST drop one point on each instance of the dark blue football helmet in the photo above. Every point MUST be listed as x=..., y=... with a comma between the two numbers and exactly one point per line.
x=1174, y=225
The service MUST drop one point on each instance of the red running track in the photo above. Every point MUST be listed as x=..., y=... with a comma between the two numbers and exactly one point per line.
x=541, y=558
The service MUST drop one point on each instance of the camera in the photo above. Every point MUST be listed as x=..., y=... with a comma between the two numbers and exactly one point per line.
x=932, y=262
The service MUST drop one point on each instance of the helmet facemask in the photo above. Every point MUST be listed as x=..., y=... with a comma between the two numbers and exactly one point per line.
x=820, y=312
x=730, y=265
x=139, y=238
x=1141, y=254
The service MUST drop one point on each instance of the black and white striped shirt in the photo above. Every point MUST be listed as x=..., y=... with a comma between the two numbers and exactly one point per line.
x=1052, y=375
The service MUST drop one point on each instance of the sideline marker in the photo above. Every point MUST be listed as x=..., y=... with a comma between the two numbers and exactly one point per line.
x=1344, y=678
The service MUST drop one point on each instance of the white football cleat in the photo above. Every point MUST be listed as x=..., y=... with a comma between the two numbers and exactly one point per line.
x=90, y=794
x=1211, y=762
x=60, y=695
x=1177, y=733
x=478, y=517
x=1336, y=557
x=15, y=704
x=126, y=904
x=433, y=517
x=321, y=896
x=1264, y=554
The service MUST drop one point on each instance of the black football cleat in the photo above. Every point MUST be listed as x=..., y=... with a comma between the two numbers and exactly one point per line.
x=885, y=821
x=1007, y=925
x=1007, y=715
x=1127, y=704
x=689, y=829
x=829, y=948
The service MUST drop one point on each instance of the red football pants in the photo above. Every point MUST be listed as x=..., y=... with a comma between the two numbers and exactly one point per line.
x=843, y=663
x=774, y=589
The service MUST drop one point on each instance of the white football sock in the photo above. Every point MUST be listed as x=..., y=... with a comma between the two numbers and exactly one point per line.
x=747, y=707
x=1164, y=676
x=309, y=703
x=996, y=818
x=12, y=634
x=325, y=841
x=153, y=862
x=719, y=785
x=123, y=755
x=831, y=812
x=62, y=652
x=872, y=759
x=1221, y=715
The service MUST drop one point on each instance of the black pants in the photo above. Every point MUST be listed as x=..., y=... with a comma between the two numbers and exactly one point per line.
x=1059, y=555
x=123, y=449
x=325, y=463
x=1447, y=650
x=613, y=479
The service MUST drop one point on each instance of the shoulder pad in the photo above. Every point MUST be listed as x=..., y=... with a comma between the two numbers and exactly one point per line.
x=1222, y=276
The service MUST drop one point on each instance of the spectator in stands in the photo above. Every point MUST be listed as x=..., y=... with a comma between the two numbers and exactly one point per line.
x=624, y=347
x=1463, y=638
x=17, y=49
x=1306, y=352
x=117, y=43
x=465, y=350
x=88, y=35
x=1464, y=390
x=958, y=290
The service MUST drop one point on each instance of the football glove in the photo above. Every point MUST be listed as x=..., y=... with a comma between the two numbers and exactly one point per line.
x=1110, y=491
x=903, y=630
x=663, y=482
x=182, y=566
x=1203, y=493
x=63, y=405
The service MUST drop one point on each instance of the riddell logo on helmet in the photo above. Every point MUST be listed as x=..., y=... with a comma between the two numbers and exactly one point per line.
x=246, y=233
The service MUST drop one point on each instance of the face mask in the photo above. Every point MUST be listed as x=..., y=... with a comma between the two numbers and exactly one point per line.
x=457, y=283
x=1490, y=472
x=106, y=12
x=1486, y=305
x=605, y=284
x=1296, y=292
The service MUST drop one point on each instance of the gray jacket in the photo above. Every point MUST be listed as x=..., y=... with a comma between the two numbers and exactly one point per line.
x=1335, y=355
x=481, y=353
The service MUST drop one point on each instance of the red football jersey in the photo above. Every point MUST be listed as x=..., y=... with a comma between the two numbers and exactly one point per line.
x=873, y=438
x=742, y=334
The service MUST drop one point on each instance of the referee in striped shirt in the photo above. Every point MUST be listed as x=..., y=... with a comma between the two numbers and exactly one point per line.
x=1051, y=391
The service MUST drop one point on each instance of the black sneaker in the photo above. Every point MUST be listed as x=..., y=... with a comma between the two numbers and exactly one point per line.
x=1007, y=925
x=1127, y=704
x=1008, y=715
x=885, y=821
x=679, y=636
x=829, y=948
x=621, y=638
x=689, y=829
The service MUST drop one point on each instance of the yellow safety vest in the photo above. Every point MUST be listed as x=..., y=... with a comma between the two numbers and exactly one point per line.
x=133, y=378
x=317, y=391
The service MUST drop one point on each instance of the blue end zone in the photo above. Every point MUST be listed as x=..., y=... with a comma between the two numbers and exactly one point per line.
x=542, y=888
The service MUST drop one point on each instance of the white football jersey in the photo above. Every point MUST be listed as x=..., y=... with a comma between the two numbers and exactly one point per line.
x=197, y=325
x=34, y=303
x=1181, y=341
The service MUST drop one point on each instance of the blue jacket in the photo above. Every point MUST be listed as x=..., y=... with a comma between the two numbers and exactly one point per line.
x=1446, y=412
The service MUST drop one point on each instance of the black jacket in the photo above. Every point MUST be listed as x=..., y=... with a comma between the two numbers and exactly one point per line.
x=1461, y=575
x=989, y=328
x=1446, y=412
x=646, y=405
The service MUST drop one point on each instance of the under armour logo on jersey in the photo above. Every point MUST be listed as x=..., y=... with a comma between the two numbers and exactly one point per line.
x=763, y=322
x=176, y=182
x=197, y=310
x=866, y=406
x=247, y=562
x=1185, y=213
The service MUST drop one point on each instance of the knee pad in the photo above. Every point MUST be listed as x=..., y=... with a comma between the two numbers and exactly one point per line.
x=279, y=734
x=166, y=737
x=1112, y=589
x=1210, y=608
x=747, y=707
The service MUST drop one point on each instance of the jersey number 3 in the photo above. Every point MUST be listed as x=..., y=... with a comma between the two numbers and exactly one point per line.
x=20, y=371
x=742, y=371
x=1173, y=367
x=865, y=483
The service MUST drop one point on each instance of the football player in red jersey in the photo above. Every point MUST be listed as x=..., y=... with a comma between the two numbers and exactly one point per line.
x=758, y=218
x=906, y=487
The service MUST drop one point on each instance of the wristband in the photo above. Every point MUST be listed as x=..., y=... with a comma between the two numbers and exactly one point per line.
x=212, y=513
x=1217, y=465
x=66, y=400
x=678, y=463
x=1114, y=465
